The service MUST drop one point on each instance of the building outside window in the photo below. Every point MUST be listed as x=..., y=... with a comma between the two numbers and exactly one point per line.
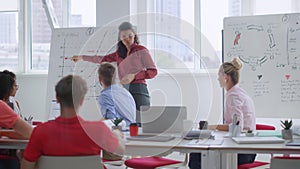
x=9, y=37
x=176, y=49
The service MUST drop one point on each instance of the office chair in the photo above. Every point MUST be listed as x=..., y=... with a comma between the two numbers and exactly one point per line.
x=155, y=162
x=70, y=162
x=257, y=163
x=264, y=127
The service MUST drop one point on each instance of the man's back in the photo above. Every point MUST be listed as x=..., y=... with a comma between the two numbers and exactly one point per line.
x=117, y=102
x=69, y=137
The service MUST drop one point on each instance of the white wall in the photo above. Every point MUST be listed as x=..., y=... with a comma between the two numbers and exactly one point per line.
x=200, y=93
x=32, y=95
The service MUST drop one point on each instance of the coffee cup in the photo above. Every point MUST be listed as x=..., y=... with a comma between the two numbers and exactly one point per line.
x=203, y=125
x=133, y=129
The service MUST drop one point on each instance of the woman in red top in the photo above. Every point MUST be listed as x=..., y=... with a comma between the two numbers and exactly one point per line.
x=134, y=64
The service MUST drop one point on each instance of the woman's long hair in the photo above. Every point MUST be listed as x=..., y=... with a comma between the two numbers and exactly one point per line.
x=6, y=85
x=121, y=48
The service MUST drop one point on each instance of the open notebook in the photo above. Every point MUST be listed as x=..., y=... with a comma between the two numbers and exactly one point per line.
x=161, y=123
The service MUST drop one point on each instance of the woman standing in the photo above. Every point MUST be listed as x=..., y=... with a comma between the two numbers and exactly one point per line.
x=134, y=64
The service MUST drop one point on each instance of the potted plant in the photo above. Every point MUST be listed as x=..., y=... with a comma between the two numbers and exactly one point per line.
x=116, y=123
x=286, y=132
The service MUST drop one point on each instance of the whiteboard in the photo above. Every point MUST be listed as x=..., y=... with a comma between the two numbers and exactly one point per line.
x=269, y=47
x=67, y=42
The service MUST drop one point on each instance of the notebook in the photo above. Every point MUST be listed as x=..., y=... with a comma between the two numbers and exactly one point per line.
x=294, y=142
x=257, y=140
x=197, y=134
x=151, y=138
x=161, y=123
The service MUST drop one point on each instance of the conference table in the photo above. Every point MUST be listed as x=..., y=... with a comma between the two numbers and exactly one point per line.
x=229, y=149
x=7, y=143
x=214, y=156
x=151, y=148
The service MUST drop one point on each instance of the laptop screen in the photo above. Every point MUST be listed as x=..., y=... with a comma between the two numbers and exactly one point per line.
x=163, y=119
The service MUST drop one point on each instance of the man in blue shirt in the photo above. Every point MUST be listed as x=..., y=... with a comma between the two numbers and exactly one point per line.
x=115, y=101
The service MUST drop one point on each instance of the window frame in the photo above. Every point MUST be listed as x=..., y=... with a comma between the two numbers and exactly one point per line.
x=136, y=6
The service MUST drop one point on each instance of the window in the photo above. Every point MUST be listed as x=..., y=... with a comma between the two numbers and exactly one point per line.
x=82, y=13
x=9, y=37
x=41, y=34
x=272, y=6
x=174, y=37
x=211, y=28
x=188, y=34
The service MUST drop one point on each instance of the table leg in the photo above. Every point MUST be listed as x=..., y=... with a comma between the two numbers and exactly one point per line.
x=211, y=159
x=230, y=160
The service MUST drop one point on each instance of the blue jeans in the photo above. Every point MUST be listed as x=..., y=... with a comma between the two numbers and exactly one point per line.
x=195, y=159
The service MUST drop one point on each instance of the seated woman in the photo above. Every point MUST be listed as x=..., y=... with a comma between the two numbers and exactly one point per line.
x=237, y=102
x=15, y=87
x=9, y=119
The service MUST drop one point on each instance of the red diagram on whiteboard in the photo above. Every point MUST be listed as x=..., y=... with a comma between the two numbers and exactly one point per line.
x=237, y=38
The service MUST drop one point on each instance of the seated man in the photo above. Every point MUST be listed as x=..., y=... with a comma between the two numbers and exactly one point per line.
x=115, y=101
x=69, y=134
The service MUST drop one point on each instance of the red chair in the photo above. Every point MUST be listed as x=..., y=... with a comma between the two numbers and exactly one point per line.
x=154, y=162
x=264, y=127
x=257, y=163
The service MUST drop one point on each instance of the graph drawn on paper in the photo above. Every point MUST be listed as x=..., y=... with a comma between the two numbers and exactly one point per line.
x=67, y=42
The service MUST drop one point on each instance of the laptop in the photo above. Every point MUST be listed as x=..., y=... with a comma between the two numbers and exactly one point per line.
x=161, y=123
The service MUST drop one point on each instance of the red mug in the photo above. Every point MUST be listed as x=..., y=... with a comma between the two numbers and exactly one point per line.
x=133, y=129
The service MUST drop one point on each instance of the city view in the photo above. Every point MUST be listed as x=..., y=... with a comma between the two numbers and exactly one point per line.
x=172, y=50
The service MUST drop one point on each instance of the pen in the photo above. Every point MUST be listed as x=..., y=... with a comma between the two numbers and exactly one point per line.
x=237, y=123
x=234, y=118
